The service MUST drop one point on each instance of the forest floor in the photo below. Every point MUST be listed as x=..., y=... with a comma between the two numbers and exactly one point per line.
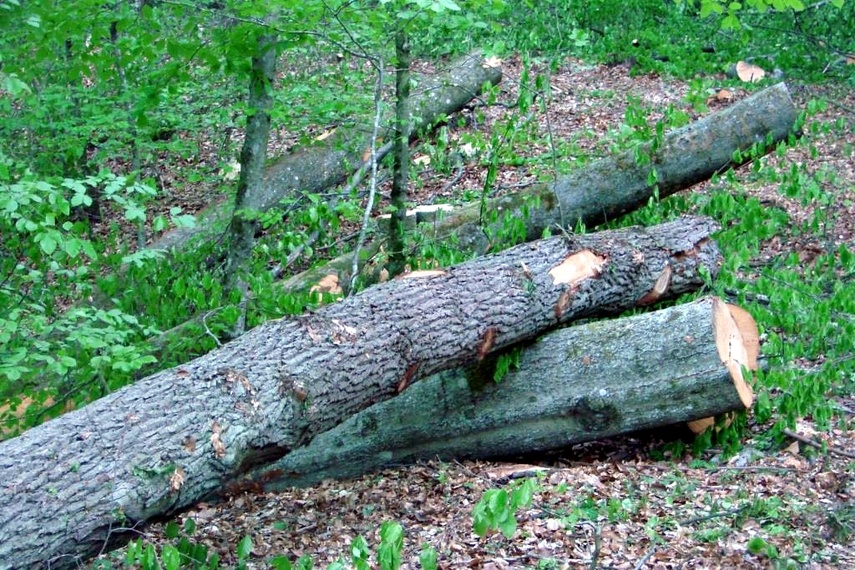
x=622, y=503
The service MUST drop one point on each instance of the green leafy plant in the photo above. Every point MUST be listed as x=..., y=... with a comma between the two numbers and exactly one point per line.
x=498, y=507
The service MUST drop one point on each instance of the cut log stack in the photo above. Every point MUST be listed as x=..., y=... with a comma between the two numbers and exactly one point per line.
x=577, y=384
x=468, y=361
x=221, y=422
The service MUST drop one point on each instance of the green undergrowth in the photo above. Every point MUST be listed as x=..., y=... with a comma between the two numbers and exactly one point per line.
x=674, y=39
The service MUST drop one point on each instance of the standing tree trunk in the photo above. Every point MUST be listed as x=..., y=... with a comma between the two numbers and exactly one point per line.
x=161, y=444
x=401, y=152
x=249, y=198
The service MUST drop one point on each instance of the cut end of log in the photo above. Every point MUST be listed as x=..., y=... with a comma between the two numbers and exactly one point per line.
x=738, y=345
x=750, y=337
x=328, y=284
x=701, y=425
x=730, y=342
x=576, y=268
x=492, y=62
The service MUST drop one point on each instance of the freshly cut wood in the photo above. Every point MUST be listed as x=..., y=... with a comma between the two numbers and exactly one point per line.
x=613, y=186
x=328, y=164
x=576, y=384
x=738, y=342
x=163, y=443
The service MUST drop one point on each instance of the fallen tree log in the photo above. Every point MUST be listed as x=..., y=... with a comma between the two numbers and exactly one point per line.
x=613, y=186
x=576, y=384
x=155, y=447
x=318, y=168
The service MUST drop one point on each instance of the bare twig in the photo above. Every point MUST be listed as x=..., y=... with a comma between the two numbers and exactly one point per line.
x=207, y=330
x=554, y=154
x=711, y=516
x=813, y=443
x=646, y=557
x=461, y=169
x=595, y=555
x=378, y=111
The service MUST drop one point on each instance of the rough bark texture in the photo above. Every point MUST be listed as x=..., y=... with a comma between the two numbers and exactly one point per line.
x=572, y=385
x=319, y=168
x=251, y=183
x=182, y=434
x=401, y=154
x=613, y=186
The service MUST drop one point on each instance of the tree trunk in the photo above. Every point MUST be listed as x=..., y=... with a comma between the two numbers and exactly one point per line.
x=610, y=187
x=321, y=167
x=401, y=153
x=575, y=384
x=161, y=444
x=250, y=191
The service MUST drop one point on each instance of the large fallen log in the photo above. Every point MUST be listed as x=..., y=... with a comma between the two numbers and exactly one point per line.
x=328, y=163
x=576, y=384
x=161, y=444
x=612, y=186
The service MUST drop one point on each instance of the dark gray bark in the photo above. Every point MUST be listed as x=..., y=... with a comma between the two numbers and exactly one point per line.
x=401, y=154
x=163, y=443
x=575, y=384
x=610, y=187
x=321, y=167
x=250, y=191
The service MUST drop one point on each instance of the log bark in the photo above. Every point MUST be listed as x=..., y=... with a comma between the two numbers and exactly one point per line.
x=576, y=384
x=613, y=186
x=163, y=443
x=321, y=167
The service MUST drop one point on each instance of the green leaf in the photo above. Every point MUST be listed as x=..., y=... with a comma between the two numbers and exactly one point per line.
x=244, y=548
x=756, y=545
x=159, y=223
x=280, y=562
x=14, y=86
x=171, y=557
x=709, y=7
x=189, y=526
x=427, y=557
x=391, y=545
x=508, y=527
x=47, y=244
x=72, y=247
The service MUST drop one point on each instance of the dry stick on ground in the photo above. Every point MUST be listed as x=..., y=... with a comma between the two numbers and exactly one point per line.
x=165, y=442
x=808, y=441
x=616, y=185
x=645, y=558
